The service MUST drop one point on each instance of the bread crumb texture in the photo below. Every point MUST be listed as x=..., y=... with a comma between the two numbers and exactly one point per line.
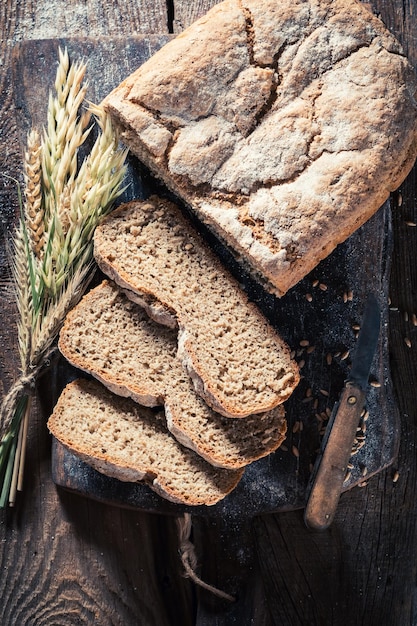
x=128, y=442
x=284, y=124
x=113, y=339
x=237, y=361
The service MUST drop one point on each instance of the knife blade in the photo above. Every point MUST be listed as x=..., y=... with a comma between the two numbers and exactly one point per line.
x=329, y=472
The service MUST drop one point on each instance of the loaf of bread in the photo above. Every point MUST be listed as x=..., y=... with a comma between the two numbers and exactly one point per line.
x=237, y=361
x=283, y=124
x=110, y=337
x=123, y=440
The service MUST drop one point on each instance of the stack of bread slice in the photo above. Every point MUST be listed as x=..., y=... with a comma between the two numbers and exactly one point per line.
x=170, y=328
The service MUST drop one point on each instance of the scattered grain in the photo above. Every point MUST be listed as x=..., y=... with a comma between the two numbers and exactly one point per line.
x=410, y=223
x=407, y=342
x=323, y=287
x=345, y=355
x=307, y=400
x=295, y=451
x=315, y=282
x=395, y=477
x=304, y=343
x=375, y=383
x=329, y=358
x=309, y=297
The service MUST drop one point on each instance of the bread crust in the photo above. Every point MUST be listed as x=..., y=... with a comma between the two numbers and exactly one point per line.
x=284, y=125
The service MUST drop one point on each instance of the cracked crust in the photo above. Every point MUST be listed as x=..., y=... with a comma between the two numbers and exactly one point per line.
x=283, y=124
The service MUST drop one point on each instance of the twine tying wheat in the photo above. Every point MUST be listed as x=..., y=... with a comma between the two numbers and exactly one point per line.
x=23, y=385
x=189, y=558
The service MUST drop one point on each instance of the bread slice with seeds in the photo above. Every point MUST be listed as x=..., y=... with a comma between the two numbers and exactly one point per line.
x=237, y=361
x=283, y=124
x=112, y=338
x=123, y=440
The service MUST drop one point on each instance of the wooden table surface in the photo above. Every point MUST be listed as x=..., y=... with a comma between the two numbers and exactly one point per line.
x=66, y=560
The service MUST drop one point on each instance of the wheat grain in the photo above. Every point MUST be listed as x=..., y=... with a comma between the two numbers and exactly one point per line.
x=50, y=323
x=33, y=206
x=23, y=296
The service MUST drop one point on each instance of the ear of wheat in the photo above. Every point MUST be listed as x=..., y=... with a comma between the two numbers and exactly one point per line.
x=52, y=263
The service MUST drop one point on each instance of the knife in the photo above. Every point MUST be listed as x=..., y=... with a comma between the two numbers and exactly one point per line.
x=329, y=472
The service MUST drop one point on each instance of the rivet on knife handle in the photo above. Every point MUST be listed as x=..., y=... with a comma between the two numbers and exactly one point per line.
x=330, y=471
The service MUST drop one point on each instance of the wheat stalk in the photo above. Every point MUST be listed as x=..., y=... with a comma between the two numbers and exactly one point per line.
x=52, y=247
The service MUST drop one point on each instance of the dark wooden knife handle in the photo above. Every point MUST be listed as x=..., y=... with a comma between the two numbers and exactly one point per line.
x=331, y=472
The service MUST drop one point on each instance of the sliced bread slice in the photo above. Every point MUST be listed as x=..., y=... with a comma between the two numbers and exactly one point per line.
x=237, y=361
x=284, y=125
x=112, y=338
x=121, y=439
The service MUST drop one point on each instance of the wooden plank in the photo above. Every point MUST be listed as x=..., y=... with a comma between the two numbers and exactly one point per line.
x=44, y=19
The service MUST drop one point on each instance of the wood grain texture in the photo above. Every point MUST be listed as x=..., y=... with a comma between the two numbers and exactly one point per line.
x=66, y=560
x=185, y=13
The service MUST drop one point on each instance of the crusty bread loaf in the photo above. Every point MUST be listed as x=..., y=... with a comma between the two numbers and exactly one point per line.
x=238, y=363
x=121, y=439
x=284, y=125
x=113, y=339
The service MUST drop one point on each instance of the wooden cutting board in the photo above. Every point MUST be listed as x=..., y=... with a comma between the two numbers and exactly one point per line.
x=318, y=318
